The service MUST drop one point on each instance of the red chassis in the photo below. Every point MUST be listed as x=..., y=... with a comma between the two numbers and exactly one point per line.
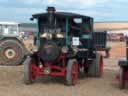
x=68, y=69
x=50, y=69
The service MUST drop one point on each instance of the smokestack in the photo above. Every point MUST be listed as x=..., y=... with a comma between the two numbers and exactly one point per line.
x=51, y=11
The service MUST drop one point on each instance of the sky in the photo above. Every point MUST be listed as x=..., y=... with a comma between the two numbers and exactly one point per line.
x=100, y=10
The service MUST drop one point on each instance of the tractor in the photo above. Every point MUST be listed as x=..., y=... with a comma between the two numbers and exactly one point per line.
x=12, y=49
x=123, y=72
x=64, y=46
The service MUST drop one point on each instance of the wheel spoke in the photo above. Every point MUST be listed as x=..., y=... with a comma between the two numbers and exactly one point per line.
x=32, y=71
x=74, y=73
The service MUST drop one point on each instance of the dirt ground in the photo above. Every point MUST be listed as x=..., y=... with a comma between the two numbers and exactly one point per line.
x=118, y=49
x=11, y=81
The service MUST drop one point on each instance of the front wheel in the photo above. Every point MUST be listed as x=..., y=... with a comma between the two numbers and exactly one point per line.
x=29, y=71
x=72, y=72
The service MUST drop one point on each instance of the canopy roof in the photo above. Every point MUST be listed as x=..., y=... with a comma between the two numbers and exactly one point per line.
x=62, y=14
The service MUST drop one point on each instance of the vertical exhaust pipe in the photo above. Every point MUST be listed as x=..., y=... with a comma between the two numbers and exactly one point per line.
x=51, y=11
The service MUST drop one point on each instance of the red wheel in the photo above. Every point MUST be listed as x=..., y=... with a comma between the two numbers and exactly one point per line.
x=101, y=66
x=72, y=72
x=96, y=68
x=29, y=71
x=32, y=70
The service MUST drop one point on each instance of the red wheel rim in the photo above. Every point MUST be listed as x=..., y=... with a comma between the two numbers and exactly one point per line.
x=32, y=71
x=101, y=66
x=74, y=73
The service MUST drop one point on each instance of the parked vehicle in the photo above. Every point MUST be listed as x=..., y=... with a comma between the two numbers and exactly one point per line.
x=65, y=43
x=12, y=49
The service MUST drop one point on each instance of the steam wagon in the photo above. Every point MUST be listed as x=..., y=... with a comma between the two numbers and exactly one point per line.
x=123, y=73
x=65, y=44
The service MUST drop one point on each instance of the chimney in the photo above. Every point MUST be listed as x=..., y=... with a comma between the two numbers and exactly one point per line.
x=51, y=9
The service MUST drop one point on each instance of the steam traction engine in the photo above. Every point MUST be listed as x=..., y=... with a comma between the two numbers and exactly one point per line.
x=65, y=44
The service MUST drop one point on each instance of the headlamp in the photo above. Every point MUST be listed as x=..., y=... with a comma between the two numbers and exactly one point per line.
x=35, y=49
x=46, y=35
x=59, y=35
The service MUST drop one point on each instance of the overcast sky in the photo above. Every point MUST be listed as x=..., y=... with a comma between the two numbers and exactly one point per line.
x=101, y=10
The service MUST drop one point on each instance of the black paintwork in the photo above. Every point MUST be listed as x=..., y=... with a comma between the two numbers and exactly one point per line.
x=84, y=30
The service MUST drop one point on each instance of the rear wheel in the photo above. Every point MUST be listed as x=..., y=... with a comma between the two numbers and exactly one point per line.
x=121, y=79
x=11, y=52
x=96, y=68
x=29, y=72
x=72, y=72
